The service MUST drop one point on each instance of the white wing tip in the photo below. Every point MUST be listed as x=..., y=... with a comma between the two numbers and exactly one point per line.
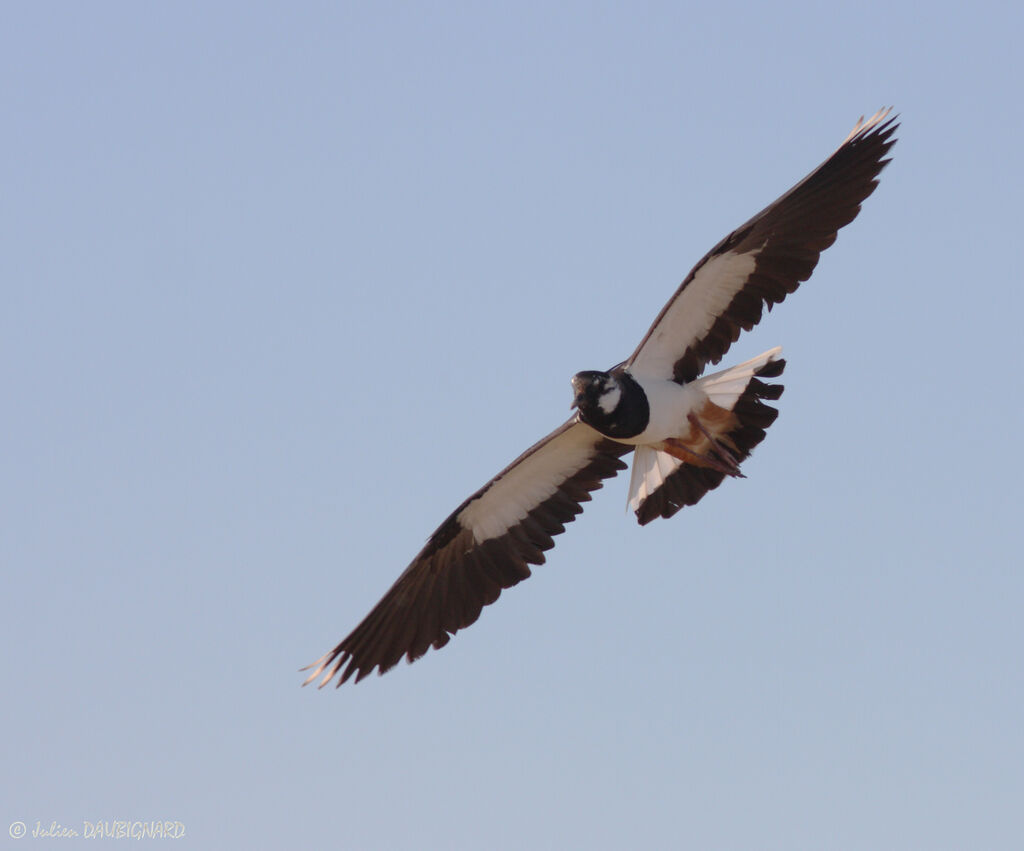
x=320, y=665
x=862, y=127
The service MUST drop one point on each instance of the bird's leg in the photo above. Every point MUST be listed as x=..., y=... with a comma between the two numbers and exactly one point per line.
x=720, y=458
x=720, y=449
x=678, y=449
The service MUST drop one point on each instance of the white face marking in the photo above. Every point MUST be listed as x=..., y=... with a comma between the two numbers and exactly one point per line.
x=609, y=400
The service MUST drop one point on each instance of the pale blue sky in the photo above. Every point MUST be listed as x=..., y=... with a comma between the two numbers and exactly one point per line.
x=281, y=285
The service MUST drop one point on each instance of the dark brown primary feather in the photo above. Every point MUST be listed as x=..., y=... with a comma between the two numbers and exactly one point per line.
x=788, y=236
x=455, y=576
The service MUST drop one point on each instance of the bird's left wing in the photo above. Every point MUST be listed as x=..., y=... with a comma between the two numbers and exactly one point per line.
x=484, y=546
x=764, y=260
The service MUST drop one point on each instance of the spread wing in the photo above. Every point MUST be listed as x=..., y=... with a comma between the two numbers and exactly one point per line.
x=764, y=260
x=484, y=546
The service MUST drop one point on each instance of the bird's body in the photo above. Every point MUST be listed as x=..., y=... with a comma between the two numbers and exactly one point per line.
x=655, y=406
x=687, y=431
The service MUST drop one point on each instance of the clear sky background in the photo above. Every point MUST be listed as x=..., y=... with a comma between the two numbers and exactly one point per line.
x=282, y=284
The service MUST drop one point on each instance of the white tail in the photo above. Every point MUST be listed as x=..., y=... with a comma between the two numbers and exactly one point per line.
x=651, y=467
x=725, y=387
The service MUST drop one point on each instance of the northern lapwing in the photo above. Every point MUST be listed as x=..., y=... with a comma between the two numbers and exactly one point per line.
x=687, y=431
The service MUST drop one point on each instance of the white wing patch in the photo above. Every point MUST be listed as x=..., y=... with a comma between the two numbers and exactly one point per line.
x=690, y=315
x=530, y=481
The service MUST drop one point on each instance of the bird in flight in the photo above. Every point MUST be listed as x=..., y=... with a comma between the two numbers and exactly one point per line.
x=687, y=431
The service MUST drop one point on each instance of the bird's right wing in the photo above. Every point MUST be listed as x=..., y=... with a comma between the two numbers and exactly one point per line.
x=485, y=545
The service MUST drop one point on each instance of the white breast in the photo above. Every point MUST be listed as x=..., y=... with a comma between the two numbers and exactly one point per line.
x=669, y=404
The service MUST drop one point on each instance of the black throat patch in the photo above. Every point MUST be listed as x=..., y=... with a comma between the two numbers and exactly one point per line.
x=629, y=417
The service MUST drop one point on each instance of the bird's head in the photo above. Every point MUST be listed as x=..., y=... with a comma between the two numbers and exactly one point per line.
x=595, y=394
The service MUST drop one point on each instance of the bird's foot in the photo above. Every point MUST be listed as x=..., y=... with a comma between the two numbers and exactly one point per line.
x=719, y=457
x=718, y=449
